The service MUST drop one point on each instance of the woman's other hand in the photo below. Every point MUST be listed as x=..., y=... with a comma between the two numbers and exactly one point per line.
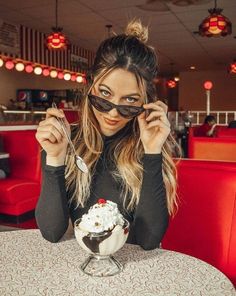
x=51, y=137
x=154, y=128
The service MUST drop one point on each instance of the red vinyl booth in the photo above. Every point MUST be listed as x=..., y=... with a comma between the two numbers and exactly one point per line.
x=205, y=223
x=71, y=115
x=221, y=147
x=19, y=192
x=226, y=132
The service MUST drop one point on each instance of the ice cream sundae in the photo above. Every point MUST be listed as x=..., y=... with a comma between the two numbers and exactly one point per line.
x=102, y=231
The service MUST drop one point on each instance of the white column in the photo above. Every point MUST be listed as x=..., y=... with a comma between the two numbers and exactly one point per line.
x=208, y=101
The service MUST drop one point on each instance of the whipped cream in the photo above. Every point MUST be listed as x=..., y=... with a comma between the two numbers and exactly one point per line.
x=103, y=216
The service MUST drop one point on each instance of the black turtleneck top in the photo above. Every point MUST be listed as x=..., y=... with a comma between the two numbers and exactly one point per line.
x=148, y=222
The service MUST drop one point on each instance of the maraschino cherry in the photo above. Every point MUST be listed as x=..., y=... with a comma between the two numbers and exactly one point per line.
x=101, y=201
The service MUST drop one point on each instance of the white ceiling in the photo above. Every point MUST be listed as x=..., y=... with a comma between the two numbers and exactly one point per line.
x=171, y=31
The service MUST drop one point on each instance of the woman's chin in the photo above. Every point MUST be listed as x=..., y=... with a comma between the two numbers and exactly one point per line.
x=108, y=131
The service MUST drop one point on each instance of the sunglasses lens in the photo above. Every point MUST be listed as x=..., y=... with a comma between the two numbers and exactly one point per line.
x=129, y=111
x=100, y=104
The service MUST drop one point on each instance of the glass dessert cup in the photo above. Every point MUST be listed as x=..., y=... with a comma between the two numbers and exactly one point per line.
x=101, y=247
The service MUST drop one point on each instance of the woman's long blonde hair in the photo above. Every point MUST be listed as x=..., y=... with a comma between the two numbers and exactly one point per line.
x=127, y=51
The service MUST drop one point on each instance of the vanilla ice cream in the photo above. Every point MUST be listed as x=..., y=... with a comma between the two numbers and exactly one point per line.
x=103, y=230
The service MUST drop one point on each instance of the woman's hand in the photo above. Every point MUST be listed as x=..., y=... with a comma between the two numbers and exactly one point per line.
x=51, y=137
x=155, y=128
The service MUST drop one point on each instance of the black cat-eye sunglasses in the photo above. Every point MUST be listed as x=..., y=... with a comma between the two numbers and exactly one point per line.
x=105, y=106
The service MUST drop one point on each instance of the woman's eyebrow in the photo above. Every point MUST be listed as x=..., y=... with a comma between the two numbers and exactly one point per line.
x=128, y=95
x=132, y=95
x=101, y=84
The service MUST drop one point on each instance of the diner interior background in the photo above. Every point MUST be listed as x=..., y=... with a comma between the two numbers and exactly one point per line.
x=172, y=32
x=208, y=209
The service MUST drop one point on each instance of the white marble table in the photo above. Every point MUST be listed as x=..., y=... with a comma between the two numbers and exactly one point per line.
x=32, y=266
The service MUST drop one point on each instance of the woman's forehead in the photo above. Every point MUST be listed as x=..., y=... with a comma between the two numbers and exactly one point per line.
x=121, y=79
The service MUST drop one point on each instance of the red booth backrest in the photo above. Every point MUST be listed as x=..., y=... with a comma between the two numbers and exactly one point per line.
x=208, y=148
x=226, y=132
x=205, y=224
x=71, y=115
x=211, y=148
x=24, y=153
x=193, y=129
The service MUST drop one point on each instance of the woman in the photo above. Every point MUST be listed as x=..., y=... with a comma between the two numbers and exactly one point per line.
x=122, y=136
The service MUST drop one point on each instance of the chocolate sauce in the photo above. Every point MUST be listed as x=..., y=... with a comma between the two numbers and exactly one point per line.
x=93, y=242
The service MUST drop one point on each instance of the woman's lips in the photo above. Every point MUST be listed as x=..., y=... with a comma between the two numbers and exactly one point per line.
x=110, y=122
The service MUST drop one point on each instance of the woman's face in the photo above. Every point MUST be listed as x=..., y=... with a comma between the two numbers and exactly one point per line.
x=121, y=88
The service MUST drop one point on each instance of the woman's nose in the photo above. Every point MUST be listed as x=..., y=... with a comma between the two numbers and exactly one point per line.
x=113, y=112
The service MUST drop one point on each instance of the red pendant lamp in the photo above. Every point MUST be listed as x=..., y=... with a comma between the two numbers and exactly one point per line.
x=216, y=24
x=171, y=83
x=57, y=40
x=232, y=67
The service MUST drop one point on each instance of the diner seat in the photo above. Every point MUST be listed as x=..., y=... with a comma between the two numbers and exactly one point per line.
x=222, y=147
x=226, y=132
x=71, y=115
x=16, y=195
x=19, y=192
x=205, y=223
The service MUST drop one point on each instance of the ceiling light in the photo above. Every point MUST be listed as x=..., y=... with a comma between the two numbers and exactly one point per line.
x=1, y=62
x=57, y=40
x=79, y=79
x=67, y=76
x=73, y=77
x=29, y=68
x=232, y=67
x=208, y=85
x=38, y=70
x=46, y=72
x=192, y=67
x=109, y=30
x=53, y=73
x=215, y=24
x=9, y=65
x=171, y=83
x=176, y=78
x=20, y=66
x=60, y=75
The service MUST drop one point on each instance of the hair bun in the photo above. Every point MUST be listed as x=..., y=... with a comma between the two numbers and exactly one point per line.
x=136, y=29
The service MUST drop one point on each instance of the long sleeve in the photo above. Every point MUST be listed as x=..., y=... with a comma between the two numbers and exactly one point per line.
x=52, y=213
x=151, y=215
